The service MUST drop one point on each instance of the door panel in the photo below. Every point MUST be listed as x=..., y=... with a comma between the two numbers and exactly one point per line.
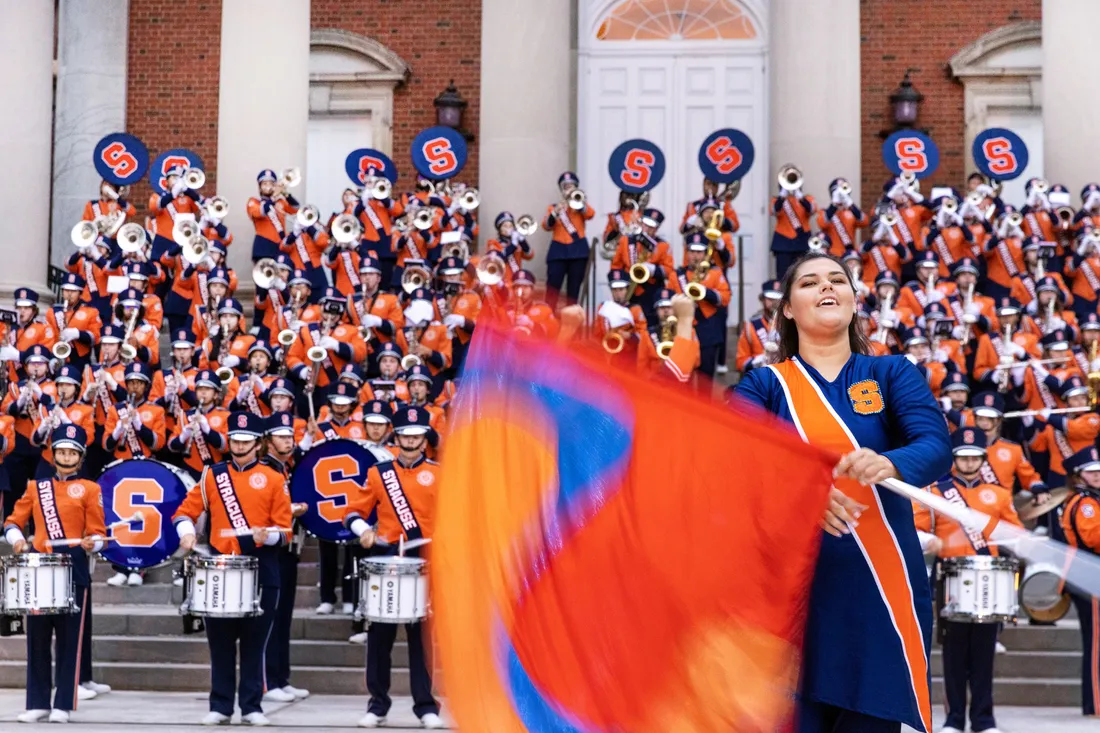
x=329, y=140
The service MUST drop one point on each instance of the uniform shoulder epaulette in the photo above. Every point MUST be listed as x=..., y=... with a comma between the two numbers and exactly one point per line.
x=274, y=464
x=913, y=284
x=946, y=482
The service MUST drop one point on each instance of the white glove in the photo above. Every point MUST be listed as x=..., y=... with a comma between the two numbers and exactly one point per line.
x=652, y=267
x=945, y=403
x=861, y=289
x=1018, y=373
x=454, y=320
x=89, y=393
x=759, y=360
x=204, y=424
x=969, y=209
x=109, y=380
x=9, y=353
x=1056, y=323
x=231, y=361
x=694, y=221
x=1094, y=366
x=958, y=332
x=984, y=189
x=1017, y=351
x=940, y=355
x=62, y=416
x=120, y=428
x=372, y=321
x=935, y=296
x=887, y=320
x=515, y=237
x=838, y=198
x=1084, y=247
x=37, y=390
x=179, y=187
x=915, y=195
x=306, y=442
x=1045, y=413
x=137, y=420
x=1032, y=308
x=974, y=309
x=214, y=330
x=898, y=193
x=453, y=207
x=186, y=434
x=70, y=334
x=1041, y=372
x=524, y=321
x=306, y=373
x=1027, y=420
x=328, y=343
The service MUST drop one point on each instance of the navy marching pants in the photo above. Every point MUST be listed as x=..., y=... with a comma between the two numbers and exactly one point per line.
x=86, y=639
x=41, y=630
x=1088, y=611
x=277, y=662
x=815, y=717
x=330, y=554
x=252, y=633
x=557, y=272
x=968, y=651
x=380, y=638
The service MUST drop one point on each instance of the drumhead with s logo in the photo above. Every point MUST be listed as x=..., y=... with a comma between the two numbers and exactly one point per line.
x=156, y=490
x=326, y=479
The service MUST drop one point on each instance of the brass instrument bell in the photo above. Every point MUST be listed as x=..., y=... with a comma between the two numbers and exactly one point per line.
x=790, y=178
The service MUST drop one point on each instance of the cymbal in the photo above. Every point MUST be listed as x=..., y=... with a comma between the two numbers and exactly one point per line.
x=1057, y=498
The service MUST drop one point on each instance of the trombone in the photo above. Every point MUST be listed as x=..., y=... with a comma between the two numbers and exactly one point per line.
x=308, y=215
x=526, y=225
x=84, y=234
x=414, y=278
x=264, y=273
x=346, y=229
x=790, y=178
x=131, y=238
x=194, y=178
x=216, y=208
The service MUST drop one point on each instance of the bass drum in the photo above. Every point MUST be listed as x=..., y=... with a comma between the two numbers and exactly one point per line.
x=326, y=479
x=156, y=490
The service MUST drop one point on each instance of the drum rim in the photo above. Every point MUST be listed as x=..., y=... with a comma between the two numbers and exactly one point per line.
x=979, y=562
x=188, y=483
x=989, y=618
x=380, y=455
x=225, y=562
x=43, y=560
x=390, y=567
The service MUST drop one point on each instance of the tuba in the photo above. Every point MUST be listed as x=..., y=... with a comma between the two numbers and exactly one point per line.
x=346, y=229
x=790, y=178
x=290, y=177
x=194, y=178
x=131, y=238
x=84, y=234
x=526, y=225
x=414, y=278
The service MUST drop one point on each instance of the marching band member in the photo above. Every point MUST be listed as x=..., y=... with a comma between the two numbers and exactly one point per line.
x=74, y=323
x=280, y=398
x=340, y=341
x=910, y=206
x=104, y=384
x=93, y=265
x=709, y=316
x=270, y=303
x=1061, y=436
x=527, y=314
x=68, y=409
x=887, y=316
x=306, y=246
x=757, y=333
x=423, y=336
x=1048, y=307
x=1005, y=462
x=674, y=315
x=420, y=383
x=792, y=210
x=130, y=317
x=412, y=248
x=1037, y=220
x=1088, y=217
x=456, y=307
x=954, y=394
x=968, y=648
x=389, y=386
x=883, y=251
x=514, y=247
x=257, y=525
x=1081, y=523
x=230, y=344
x=378, y=422
x=63, y=507
x=567, y=258
x=841, y=219
x=1036, y=254
x=268, y=212
x=344, y=261
x=301, y=306
x=280, y=453
x=201, y=435
x=29, y=329
x=928, y=287
x=1004, y=256
x=338, y=419
x=618, y=222
x=696, y=216
x=619, y=316
x=653, y=254
x=24, y=403
x=243, y=393
x=370, y=307
x=880, y=414
x=177, y=200
x=947, y=237
x=142, y=278
x=933, y=364
x=1083, y=270
x=376, y=215
x=411, y=480
x=135, y=427
x=111, y=199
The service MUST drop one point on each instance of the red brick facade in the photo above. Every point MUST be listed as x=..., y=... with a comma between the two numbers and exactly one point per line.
x=923, y=35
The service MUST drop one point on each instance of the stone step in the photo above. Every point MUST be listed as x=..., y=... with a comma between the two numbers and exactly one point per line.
x=308, y=596
x=1065, y=637
x=1026, y=692
x=1038, y=665
x=309, y=574
x=194, y=650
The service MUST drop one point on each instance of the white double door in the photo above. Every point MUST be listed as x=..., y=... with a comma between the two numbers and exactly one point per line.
x=675, y=101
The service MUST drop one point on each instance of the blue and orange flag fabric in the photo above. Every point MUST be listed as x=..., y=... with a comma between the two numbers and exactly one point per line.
x=614, y=556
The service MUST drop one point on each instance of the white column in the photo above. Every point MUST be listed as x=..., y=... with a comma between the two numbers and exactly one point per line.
x=526, y=130
x=92, y=40
x=1070, y=153
x=26, y=117
x=815, y=92
x=263, y=108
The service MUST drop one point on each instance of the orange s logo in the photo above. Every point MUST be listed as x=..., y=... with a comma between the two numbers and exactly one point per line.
x=998, y=153
x=121, y=161
x=441, y=157
x=866, y=397
x=724, y=154
x=911, y=155
x=330, y=479
x=638, y=168
x=134, y=495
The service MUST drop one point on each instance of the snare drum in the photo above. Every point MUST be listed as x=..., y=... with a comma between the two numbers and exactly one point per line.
x=393, y=590
x=222, y=586
x=1041, y=593
x=37, y=584
x=980, y=589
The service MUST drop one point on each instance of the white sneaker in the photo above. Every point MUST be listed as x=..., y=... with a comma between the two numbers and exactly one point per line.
x=298, y=694
x=325, y=609
x=85, y=693
x=278, y=694
x=348, y=609
x=360, y=638
x=117, y=579
x=96, y=687
x=213, y=718
x=721, y=369
x=59, y=716
x=431, y=720
x=135, y=579
x=32, y=716
x=370, y=720
x=178, y=582
x=257, y=719
x=1001, y=649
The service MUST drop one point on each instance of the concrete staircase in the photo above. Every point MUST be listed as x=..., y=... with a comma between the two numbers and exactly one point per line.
x=139, y=645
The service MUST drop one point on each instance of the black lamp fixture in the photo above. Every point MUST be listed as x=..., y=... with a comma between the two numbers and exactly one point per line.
x=905, y=105
x=449, y=108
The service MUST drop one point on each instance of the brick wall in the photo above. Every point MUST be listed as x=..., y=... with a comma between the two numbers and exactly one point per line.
x=439, y=41
x=923, y=35
x=172, y=93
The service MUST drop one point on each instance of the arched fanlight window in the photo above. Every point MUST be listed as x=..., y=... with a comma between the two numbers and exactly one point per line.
x=675, y=20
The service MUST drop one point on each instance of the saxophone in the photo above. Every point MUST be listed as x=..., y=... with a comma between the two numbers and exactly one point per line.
x=667, y=333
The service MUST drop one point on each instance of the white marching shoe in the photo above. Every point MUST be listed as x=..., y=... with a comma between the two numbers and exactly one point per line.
x=325, y=609
x=431, y=720
x=360, y=638
x=721, y=369
x=1000, y=649
x=298, y=694
x=96, y=687
x=348, y=609
x=59, y=716
x=213, y=718
x=278, y=694
x=257, y=719
x=370, y=720
x=33, y=716
x=117, y=579
x=85, y=693
x=135, y=579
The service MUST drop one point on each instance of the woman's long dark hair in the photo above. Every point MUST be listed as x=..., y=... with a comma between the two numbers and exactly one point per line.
x=788, y=331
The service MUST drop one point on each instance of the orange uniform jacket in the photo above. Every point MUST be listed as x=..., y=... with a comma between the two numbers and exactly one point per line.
x=1078, y=434
x=95, y=209
x=216, y=440
x=1008, y=462
x=84, y=319
x=841, y=229
x=80, y=413
x=628, y=254
x=384, y=305
x=345, y=271
x=79, y=510
x=23, y=423
x=239, y=347
x=166, y=217
x=419, y=483
x=150, y=437
x=466, y=304
x=991, y=499
x=435, y=338
x=352, y=349
x=270, y=224
x=305, y=248
x=560, y=233
x=783, y=224
x=1082, y=513
x=352, y=429
x=682, y=361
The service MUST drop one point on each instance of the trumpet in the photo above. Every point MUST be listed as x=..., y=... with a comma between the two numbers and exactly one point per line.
x=128, y=351
x=490, y=271
x=1040, y=186
x=414, y=277
x=131, y=238
x=423, y=218
x=195, y=250
x=975, y=198
x=224, y=375
x=61, y=351
x=469, y=199
x=713, y=231
x=613, y=342
x=264, y=273
x=668, y=326
x=459, y=250
x=409, y=360
x=381, y=189
x=889, y=219
x=194, y=178
x=216, y=208
x=346, y=229
x=1014, y=219
x=790, y=178
x=308, y=215
x=817, y=243
x=84, y=234
x=577, y=199
x=526, y=225
x=183, y=230
x=290, y=177
x=950, y=206
x=1064, y=215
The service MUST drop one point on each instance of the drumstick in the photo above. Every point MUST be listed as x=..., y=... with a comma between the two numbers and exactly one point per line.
x=246, y=532
x=135, y=517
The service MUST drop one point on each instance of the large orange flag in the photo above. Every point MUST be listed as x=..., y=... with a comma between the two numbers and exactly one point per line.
x=612, y=555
